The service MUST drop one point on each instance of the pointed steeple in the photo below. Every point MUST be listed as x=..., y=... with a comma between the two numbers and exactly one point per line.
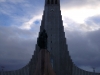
x=56, y=42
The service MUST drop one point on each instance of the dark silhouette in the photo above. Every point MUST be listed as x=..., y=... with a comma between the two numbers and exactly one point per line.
x=42, y=40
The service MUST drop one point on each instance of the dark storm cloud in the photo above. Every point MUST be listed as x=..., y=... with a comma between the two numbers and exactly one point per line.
x=16, y=47
x=95, y=38
x=84, y=48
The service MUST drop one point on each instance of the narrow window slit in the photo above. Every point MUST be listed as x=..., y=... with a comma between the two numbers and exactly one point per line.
x=56, y=2
x=51, y=1
x=48, y=2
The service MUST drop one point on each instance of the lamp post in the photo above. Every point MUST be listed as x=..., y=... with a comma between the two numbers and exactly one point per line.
x=2, y=67
x=93, y=69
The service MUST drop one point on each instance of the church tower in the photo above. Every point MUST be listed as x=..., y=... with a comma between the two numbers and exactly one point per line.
x=53, y=24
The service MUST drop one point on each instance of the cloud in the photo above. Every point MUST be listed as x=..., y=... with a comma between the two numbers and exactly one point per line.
x=87, y=26
x=84, y=48
x=78, y=10
x=12, y=1
x=18, y=43
x=81, y=22
x=93, y=20
x=80, y=15
x=20, y=13
x=2, y=1
x=83, y=42
x=78, y=3
x=16, y=1
x=15, y=45
x=28, y=24
x=95, y=38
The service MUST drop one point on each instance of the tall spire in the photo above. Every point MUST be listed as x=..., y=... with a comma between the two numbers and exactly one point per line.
x=56, y=42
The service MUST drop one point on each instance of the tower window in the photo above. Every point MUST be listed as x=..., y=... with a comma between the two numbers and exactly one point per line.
x=51, y=62
x=48, y=1
x=51, y=1
x=56, y=2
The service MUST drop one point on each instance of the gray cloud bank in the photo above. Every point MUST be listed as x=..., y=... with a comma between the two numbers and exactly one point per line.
x=16, y=47
x=85, y=49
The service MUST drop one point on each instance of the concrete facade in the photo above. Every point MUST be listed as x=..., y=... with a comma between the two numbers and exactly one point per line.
x=46, y=69
x=57, y=46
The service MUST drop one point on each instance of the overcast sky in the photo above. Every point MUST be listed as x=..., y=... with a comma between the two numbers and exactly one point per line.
x=19, y=26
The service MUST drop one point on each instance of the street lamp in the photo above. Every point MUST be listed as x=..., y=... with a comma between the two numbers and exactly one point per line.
x=93, y=69
x=2, y=67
